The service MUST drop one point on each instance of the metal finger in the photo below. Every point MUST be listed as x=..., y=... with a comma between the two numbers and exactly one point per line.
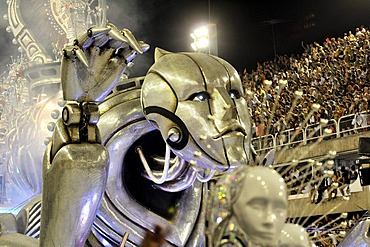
x=68, y=52
x=127, y=54
x=132, y=40
x=83, y=41
x=116, y=34
x=95, y=32
x=86, y=39
x=80, y=55
x=144, y=46
x=101, y=40
x=115, y=44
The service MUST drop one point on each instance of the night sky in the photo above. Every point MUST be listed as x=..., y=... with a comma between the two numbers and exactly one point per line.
x=244, y=27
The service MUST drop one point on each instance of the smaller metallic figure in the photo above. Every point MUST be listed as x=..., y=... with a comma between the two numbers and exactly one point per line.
x=359, y=235
x=258, y=206
x=293, y=235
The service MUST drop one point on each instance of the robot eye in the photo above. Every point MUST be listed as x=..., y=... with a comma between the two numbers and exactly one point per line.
x=234, y=94
x=200, y=96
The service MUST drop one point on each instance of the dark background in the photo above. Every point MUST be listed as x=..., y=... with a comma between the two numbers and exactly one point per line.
x=244, y=32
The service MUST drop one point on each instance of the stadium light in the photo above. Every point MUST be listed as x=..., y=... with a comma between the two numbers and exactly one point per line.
x=205, y=39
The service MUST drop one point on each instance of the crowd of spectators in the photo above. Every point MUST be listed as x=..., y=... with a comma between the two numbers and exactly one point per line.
x=327, y=81
x=332, y=75
x=323, y=183
x=328, y=183
x=329, y=230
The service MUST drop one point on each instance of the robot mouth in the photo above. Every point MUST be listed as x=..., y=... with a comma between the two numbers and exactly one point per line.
x=230, y=130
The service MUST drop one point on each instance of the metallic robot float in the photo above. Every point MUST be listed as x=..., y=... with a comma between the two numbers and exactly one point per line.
x=119, y=164
x=201, y=118
x=189, y=123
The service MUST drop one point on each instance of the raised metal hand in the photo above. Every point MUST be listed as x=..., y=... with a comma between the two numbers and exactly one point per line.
x=75, y=162
x=92, y=66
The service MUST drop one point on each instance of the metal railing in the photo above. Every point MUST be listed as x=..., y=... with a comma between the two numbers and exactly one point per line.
x=346, y=125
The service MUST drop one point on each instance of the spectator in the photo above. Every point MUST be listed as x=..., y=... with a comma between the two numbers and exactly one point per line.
x=323, y=185
x=314, y=187
x=345, y=181
x=332, y=191
x=353, y=174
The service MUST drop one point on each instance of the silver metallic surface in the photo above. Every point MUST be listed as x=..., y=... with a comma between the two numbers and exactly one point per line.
x=71, y=114
x=85, y=40
x=208, y=177
x=18, y=240
x=88, y=74
x=177, y=166
x=25, y=147
x=24, y=37
x=254, y=216
x=164, y=173
x=184, y=181
x=359, y=235
x=73, y=181
x=174, y=135
x=123, y=123
x=218, y=135
x=76, y=169
x=76, y=173
x=121, y=126
x=294, y=235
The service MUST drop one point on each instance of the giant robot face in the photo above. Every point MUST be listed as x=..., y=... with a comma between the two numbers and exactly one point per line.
x=196, y=102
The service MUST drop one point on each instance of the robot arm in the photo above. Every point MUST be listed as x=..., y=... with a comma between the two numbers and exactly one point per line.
x=75, y=162
x=90, y=69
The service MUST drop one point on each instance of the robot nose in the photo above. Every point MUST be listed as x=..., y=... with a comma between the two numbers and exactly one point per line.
x=225, y=103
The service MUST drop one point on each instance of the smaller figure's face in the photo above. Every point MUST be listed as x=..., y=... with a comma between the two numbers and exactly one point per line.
x=261, y=207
